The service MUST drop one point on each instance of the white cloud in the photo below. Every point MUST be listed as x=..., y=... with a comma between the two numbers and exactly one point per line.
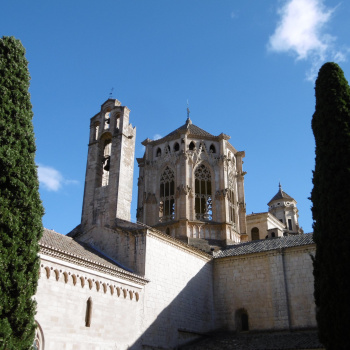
x=157, y=137
x=52, y=179
x=301, y=32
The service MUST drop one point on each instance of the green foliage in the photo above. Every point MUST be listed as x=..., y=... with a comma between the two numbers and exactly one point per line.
x=20, y=206
x=331, y=207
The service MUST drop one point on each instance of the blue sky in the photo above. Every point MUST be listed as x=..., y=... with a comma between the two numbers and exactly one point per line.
x=247, y=69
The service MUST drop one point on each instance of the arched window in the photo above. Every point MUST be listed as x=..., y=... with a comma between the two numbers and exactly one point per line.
x=107, y=121
x=212, y=149
x=159, y=152
x=88, y=314
x=167, y=149
x=117, y=121
x=231, y=197
x=255, y=234
x=167, y=195
x=273, y=234
x=203, y=193
x=176, y=147
x=39, y=343
x=106, y=161
x=191, y=146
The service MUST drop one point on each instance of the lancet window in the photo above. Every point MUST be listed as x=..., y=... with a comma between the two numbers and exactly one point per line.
x=106, y=162
x=231, y=198
x=167, y=195
x=203, y=193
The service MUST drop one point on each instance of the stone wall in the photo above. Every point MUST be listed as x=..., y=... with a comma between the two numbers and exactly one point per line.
x=274, y=288
x=62, y=296
x=179, y=297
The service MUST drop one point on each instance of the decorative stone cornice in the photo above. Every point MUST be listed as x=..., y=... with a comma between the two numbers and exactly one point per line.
x=78, y=260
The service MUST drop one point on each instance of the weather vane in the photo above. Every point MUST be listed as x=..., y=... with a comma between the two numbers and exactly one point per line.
x=111, y=93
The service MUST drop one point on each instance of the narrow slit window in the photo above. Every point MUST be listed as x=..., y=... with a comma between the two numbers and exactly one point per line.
x=88, y=312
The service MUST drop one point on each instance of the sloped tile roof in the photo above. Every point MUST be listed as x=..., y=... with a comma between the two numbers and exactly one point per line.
x=193, y=130
x=66, y=248
x=265, y=245
x=281, y=195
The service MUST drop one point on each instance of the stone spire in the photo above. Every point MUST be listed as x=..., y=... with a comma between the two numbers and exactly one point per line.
x=188, y=120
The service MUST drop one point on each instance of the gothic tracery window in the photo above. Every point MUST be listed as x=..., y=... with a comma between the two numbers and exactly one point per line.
x=167, y=195
x=203, y=193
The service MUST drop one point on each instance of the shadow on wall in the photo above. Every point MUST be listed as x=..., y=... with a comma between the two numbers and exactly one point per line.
x=189, y=315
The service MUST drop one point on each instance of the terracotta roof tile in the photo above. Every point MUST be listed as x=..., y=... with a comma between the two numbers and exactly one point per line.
x=265, y=245
x=53, y=241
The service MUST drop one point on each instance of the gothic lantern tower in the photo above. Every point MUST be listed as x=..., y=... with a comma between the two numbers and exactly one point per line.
x=110, y=166
x=191, y=186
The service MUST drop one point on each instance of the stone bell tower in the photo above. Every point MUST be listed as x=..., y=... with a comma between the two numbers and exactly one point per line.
x=110, y=166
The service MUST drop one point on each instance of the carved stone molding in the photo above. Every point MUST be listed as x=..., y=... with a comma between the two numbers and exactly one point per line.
x=183, y=190
x=221, y=194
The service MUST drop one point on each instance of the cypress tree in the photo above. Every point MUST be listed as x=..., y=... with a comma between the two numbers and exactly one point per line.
x=331, y=207
x=20, y=206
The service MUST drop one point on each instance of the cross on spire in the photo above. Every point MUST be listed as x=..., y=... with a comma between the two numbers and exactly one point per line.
x=111, y=93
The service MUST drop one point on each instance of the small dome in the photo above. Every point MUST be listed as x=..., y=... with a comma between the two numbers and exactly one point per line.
x=281, y=195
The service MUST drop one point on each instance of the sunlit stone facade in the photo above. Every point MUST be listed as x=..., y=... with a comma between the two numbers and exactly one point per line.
x=191, y=186
x=115, y=284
